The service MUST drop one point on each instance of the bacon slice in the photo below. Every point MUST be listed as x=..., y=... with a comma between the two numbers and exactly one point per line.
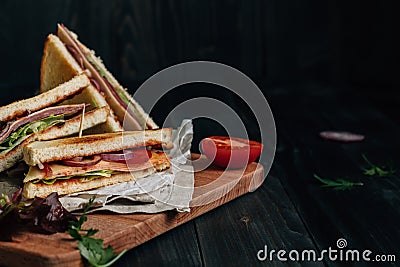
x=38, y=115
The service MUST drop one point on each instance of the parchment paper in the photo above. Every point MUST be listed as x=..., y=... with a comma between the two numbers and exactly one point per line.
x=171, y=189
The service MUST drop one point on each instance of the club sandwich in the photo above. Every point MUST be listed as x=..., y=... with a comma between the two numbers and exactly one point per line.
x=78, y=164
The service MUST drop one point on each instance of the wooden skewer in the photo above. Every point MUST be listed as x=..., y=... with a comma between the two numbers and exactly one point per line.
x=82, y=118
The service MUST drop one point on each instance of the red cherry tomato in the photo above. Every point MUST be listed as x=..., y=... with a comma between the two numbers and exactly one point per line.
x=230, y=152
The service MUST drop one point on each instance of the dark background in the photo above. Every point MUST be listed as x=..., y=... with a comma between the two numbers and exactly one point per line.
x=302, y=46
x=323, y=64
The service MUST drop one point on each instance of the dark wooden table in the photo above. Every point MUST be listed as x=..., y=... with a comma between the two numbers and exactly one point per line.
x=291, y=211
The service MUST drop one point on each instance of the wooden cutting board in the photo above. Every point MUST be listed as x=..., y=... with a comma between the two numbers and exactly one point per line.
x=213, y=188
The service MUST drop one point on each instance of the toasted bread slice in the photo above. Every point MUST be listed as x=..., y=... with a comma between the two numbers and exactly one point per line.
x=51, y=97
x=57, y=65
x=46, y=151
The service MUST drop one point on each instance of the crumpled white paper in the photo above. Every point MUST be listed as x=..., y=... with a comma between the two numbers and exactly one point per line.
x=171, y=189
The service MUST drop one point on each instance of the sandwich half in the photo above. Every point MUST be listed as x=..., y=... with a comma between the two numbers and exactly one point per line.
x=65, y=56
x=41, y=117
x=78, y=164
x=59, y=66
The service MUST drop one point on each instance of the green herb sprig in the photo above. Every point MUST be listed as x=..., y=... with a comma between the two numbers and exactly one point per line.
x=375, y=170
x=91, y=248
x=338, y=184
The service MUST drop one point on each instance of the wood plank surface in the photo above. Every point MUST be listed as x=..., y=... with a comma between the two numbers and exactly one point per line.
x=129, y=231
x=366, y=216
x=178, y=247
x=264, y=218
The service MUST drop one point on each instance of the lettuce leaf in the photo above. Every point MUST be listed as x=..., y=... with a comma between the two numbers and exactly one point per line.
x=23, y=132
x=85, y=177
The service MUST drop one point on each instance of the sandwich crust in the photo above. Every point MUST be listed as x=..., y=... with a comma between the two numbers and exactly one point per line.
x=54, y=96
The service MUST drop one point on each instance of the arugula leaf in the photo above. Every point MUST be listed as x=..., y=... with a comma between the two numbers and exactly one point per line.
x=75, y=227
x=92, y=249
x=381, y=171
x=338, y=184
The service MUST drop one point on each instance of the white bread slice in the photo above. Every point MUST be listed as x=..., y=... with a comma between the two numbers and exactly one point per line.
x=56, y=95
x=59, y=66
x=71, y=126
x=64, y=187
x=47, y=151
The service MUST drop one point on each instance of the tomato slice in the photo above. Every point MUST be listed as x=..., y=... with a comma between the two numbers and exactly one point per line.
x=230, y=152
x=129, y=156
x=141, y=155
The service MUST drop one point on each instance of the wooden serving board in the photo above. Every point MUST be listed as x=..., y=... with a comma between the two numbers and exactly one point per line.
x=213, y=188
